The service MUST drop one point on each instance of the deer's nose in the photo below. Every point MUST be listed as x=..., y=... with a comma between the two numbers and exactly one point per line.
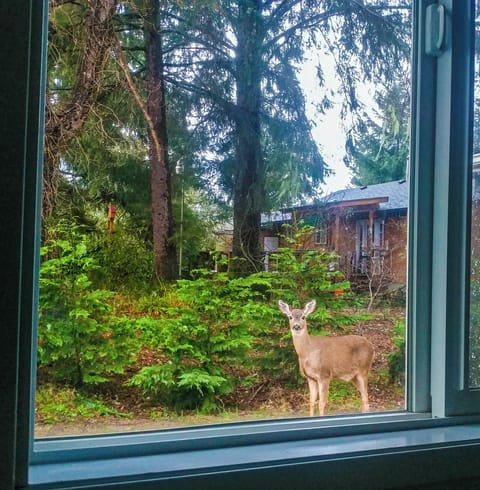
x=296, y=326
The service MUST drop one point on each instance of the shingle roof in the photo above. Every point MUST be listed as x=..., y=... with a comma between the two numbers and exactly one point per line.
x=396, y=192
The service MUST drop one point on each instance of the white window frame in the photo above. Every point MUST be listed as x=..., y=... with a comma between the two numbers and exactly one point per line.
x=364, y=451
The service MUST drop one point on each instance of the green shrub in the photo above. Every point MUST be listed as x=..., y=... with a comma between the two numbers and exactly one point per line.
x=396, y=359
x=299, y=276
x=79, y=336
x=219, y=329
x=62, y=404
x=124, y=260
x=474, y=332
x=198, y=340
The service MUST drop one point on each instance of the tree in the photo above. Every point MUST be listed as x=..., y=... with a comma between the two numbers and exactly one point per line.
x=93, y=98
x=380, y=146
x=233, y=67
x=164, y=251
x=83, y=34
x=240, y=59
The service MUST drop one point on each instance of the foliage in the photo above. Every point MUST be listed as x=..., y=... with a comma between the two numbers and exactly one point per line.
x=209, y=334
x=304, y=274
x=236, y=112
x=124, y=261
x=200, y=338
x=299, y=276
x=379, y=148
x=217, y=326
x=396, y=359
x=236, y=117
x=79, y=336
x=59, y=404
x=247, y=97
x=474, y=333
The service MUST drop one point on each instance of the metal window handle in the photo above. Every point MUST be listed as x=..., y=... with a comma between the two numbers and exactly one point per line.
x=435, y=28
x=441, y=27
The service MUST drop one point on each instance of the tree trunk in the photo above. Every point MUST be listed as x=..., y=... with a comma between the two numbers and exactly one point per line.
x=163, y=245
x=63, y=123
x=249, y=184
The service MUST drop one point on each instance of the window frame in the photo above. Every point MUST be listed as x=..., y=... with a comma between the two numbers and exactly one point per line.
x=441, y=414
x=321, y=231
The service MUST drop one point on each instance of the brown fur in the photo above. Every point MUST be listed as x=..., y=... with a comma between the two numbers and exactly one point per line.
x=322, y=359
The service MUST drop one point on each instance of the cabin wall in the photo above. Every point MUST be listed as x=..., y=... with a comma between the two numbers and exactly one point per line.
x=342, y=237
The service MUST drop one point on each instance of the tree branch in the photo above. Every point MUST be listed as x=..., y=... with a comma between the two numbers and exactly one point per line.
x=122, y=63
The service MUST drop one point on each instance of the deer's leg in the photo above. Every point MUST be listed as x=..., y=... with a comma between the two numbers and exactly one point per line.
x=313, y=388
x=323, y=387
x=361, y=382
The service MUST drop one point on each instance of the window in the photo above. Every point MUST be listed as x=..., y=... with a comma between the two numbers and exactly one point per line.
x=474, y=332
x=270, y=243
x=435, y=442
x=321, y=230
x=160, y=350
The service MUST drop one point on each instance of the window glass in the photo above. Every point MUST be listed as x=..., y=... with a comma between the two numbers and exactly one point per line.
x=321, y=231
x=474, y=337
x=190, y=147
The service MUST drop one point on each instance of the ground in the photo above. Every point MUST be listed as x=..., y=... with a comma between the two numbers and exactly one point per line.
x=261, y=401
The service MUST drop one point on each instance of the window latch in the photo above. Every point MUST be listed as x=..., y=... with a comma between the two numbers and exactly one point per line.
x=435, y=24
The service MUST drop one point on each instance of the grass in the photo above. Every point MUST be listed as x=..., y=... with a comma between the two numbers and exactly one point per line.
x=59, y=404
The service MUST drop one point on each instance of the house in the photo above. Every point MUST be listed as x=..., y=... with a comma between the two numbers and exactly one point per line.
x=365, y=226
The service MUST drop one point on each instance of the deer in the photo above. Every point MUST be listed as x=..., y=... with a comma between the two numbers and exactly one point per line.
x=321, y=359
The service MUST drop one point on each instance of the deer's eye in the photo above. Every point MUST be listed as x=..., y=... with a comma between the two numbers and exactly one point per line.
x=290, y=317
x=303, y=317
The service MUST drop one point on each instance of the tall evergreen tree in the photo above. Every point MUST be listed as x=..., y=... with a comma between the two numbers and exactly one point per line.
x=164, y=251
x=94, y=129
x=82, y=36
x=379, y=146
x=241, y=60
x=234, y=68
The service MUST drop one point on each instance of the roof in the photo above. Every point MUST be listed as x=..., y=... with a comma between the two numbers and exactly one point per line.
x=390, y=195
x=396, y=193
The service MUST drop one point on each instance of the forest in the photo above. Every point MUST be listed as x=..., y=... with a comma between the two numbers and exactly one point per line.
x=166, y=121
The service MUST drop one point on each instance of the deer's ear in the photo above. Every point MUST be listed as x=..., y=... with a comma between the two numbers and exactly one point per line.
x=284, y=308
x=309, y=307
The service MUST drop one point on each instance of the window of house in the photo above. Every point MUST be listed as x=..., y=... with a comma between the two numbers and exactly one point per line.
x=370, y=448
x=370, y=236
x=378, y=233
x=321, y=230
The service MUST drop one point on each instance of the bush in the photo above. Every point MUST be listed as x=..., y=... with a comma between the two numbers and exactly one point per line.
x=79, y=336
x=474, y=332
x=198, y=339
x=299, y=276
x=396, y=359
x=60, y=404
x=217, y=329
x=125, y=262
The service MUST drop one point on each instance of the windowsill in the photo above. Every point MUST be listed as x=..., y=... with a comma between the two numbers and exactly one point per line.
x=399, y=450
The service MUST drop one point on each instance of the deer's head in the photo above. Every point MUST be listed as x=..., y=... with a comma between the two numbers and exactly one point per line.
x=297, y=318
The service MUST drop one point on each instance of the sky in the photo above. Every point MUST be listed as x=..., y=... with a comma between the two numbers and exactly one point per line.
x=331, y=139
x=328, y=131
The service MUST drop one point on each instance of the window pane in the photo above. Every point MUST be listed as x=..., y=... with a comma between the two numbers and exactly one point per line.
x=190, y=186
x=474, y=371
